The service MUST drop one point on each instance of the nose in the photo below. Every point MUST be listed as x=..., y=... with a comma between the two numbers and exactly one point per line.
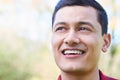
x=71, y=39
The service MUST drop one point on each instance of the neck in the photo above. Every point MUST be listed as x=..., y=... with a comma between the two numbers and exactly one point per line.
x=93, y=75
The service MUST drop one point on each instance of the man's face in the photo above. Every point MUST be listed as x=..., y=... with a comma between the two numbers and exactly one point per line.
x=77, y=39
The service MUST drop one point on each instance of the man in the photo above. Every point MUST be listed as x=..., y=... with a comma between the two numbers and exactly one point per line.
x=79, y=36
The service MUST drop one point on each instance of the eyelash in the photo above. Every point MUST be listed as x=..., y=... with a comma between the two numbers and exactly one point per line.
x=83, y=28
x=79, y=29
x=60, y=28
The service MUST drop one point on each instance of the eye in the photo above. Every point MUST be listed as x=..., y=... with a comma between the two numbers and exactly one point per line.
x=84, y=29
x=60, y=29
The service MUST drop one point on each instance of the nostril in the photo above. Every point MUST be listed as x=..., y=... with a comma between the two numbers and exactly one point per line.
x=72, y=41
x=66, y=42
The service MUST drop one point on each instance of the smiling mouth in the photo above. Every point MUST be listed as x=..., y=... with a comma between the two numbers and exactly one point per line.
x=73, y=52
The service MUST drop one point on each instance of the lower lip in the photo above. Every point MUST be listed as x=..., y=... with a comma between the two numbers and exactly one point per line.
x=73, y=56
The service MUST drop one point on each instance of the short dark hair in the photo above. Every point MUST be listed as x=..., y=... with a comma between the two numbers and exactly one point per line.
x=101, y=13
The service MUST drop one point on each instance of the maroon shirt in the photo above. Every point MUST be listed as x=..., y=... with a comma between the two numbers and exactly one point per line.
x=102, y=77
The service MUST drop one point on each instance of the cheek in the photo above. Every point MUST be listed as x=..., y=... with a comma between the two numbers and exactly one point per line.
x=94, y=44
x=94, y=50
x=56, y=41
x=94, y=40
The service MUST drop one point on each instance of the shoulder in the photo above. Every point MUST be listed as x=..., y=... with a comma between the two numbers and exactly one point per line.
x=104, y=77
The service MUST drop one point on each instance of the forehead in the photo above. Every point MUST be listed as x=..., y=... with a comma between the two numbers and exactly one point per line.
x=76, y=13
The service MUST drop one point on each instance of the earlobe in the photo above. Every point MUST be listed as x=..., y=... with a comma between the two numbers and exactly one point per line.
x=107, y=41
x=104, y=48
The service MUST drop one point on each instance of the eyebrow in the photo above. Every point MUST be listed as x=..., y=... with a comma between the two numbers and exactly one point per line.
x=60, y=23
x=85, y=23
x=79, y=23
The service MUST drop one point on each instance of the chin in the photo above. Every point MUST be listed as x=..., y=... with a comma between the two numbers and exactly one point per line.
x=76, y=69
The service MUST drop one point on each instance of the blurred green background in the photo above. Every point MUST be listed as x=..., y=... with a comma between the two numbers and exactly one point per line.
x=25, y=34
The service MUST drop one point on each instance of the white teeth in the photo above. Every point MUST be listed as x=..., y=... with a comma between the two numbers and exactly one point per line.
x=73, y=52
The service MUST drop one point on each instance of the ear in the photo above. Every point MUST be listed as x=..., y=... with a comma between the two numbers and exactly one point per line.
x=107, y=42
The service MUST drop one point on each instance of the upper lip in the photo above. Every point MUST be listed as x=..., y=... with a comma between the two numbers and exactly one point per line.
x=80, y=49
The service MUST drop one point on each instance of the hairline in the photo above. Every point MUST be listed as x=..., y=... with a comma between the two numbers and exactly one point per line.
x=97, y=12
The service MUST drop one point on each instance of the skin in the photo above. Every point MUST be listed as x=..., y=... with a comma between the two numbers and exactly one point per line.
x=77, y=28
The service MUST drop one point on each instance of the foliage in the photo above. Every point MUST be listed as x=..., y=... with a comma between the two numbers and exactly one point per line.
x=8, y=68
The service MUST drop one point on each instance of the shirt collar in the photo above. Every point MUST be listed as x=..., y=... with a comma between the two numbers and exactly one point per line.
x=102, y=77
x=59, y=78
